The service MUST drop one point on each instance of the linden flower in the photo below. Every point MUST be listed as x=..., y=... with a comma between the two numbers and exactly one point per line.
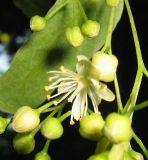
x=78, y=87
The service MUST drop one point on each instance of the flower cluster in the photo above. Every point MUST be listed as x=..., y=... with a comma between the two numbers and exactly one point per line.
x=78, y=87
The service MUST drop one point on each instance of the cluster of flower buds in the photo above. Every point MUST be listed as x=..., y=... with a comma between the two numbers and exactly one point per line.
x=26, y=122
x=113, y=135
x=118, y=152
x=75, y=35
x=116, y=128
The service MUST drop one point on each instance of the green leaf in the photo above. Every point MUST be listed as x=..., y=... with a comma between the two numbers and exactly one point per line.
x=33, y=7
x=23, y=84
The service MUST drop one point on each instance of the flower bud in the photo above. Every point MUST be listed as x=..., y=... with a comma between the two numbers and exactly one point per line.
x=74, y=36
x=112, y=3
x=136, y=155
x=101, y=156
x=37, y=23
x=24, y=143
x=25, y=119
x=42, y=156
x=91, y=126
x=52, y=128
x=90, y=28
x=105, y=66
x=117, y=128
x=3, y=124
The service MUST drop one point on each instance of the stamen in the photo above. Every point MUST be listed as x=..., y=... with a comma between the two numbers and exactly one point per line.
x=71, y=98
x=65, y=89
x=48, y=97
x=62, y=68
x=50, y=79
x=55, y=103
x=59, y=81
x=72, y=122
x=46, y=88
x=65, y=96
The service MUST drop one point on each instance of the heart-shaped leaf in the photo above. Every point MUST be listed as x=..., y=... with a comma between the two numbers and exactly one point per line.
x=23, y=83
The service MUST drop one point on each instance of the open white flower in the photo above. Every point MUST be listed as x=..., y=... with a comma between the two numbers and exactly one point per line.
x=78, y=87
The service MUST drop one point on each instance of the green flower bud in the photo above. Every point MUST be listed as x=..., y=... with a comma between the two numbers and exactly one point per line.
x=91, y=126
x=101, y=156
x=105, y=66
x=24, y=143
x=90, y=28
x=52, y=128
x=74, y=36
x=136, y=155
x=42, y=156
x=37, y=23
x=25, y=119
x=112, y=3
x=118, y=128
x=3, y=124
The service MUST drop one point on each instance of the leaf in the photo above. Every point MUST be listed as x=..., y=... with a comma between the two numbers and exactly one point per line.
x=33, y=7
x=23, y=83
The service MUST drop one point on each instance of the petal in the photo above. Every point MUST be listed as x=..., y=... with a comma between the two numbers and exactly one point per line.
x=106, y=93
x=83, y=103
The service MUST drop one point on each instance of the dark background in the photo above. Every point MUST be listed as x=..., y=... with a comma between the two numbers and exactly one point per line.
x=71, y=145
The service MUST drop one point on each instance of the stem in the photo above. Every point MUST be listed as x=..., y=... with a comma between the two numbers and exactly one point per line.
x=135, y=35
x=138, y=107
x=107, y=45
x=141, y=105
x=45, y=149
x=48, y=16
x=64, y=116
x=145, y=71
x=107, y=48
x=119, y=102
x=134, y=94
x=139, y=142
x=51, y=109
x=44, y=107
